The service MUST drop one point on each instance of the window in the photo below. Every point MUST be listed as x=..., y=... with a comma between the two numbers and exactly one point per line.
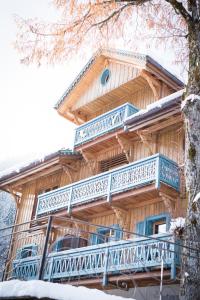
x=159, y=227
x=154, y=225
x=104, y=235
x=105, y=76
x=27, y=251
x=68, y=242
x=111, y=163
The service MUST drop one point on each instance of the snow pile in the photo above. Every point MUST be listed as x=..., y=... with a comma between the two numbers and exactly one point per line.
x=177, y=226
x=41, y=289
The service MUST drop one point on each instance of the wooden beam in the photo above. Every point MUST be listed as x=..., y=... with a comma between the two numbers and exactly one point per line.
x=148, y=141
x=126, y=146
x=169, y=202
x=154, y=83
x=167, y=123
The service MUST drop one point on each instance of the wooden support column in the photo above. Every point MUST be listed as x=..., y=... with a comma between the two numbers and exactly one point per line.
x=154, y=83
x=68, y=173
x=121, y=215
x=149, y=141
x=126, y=147
x=169, y=203
x=91, y=161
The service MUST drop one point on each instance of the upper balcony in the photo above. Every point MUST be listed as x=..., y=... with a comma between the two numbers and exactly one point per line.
x=148, y=174
x=103, y=124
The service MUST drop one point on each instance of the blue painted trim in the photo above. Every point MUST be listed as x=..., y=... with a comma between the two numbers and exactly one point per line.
x=107, y=258
x=166, y=172
x=122, y=110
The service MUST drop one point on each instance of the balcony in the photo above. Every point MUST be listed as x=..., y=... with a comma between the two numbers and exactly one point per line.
x=103, y=124
x=136, y=255
x=155, y=169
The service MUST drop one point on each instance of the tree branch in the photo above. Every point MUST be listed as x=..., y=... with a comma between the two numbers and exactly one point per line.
x=180, y=9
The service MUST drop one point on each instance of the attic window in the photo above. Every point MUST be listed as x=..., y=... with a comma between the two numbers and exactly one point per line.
x=105, y=76
x=108, y=164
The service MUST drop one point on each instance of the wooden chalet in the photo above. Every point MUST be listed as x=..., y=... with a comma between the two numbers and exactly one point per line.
x=103, y=210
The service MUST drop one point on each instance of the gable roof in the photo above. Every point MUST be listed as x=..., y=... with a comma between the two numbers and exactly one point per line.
x=144, y=61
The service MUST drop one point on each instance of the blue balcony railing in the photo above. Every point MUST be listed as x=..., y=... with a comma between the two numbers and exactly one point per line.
x=141, y=254
x=103, y=124
x=154, y=169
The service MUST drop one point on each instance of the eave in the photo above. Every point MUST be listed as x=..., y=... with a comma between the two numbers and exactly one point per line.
x=50, y=164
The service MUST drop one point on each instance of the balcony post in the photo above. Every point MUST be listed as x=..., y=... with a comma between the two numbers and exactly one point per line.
x=44, y=252
x=109, y=187
x=126, y=115
x=158, y=172
x=70, y=199
x=105, y=276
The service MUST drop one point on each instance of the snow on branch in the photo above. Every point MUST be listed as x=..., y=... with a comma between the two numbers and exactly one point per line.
x=190, y=98
x=197, y=197
x=177, y=226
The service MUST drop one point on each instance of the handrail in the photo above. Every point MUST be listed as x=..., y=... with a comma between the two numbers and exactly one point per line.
x=156, y=168
x=104, y=123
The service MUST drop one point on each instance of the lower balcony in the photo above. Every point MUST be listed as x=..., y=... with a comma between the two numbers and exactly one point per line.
x=154, y=170
x=105, y=261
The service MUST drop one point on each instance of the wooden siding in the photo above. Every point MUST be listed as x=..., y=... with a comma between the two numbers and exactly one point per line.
x=133, y=216
x=120, y=74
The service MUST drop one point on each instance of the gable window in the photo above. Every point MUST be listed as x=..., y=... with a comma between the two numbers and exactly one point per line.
x=105, y=76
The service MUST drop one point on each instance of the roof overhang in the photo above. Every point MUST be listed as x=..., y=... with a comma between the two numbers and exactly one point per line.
x=97, y=63
x=48, y=165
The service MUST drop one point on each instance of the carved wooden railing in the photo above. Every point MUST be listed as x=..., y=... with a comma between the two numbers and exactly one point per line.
x=154, y=169
x=131, y=255
x=103, y=124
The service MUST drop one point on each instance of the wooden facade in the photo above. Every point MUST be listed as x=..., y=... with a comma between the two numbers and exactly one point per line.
x=131, y=79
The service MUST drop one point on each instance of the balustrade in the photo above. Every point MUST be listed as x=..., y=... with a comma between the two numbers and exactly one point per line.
x=103, y=124
x=156, y=168
x=130, y=255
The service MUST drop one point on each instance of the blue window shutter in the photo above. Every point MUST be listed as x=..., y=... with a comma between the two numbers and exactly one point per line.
x=117, y=233
x=18, y=253
x=34, y=250
x=100, y=235
x=149, y=226
x=168, y=221
x=93, y=239
x=140, y=227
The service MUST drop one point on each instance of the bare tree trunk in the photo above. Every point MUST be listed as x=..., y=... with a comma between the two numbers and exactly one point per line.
x=190, y=287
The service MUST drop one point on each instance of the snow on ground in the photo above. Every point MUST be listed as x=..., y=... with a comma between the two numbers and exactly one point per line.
x=40, y=289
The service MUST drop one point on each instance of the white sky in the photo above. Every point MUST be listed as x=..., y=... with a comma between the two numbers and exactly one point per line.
x=29, y=125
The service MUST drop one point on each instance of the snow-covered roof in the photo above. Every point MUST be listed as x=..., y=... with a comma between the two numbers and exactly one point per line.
x=155, y=106
x=30, y=164
x=57, y=291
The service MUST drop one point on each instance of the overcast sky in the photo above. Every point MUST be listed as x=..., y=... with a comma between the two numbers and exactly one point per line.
x=29, y=124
